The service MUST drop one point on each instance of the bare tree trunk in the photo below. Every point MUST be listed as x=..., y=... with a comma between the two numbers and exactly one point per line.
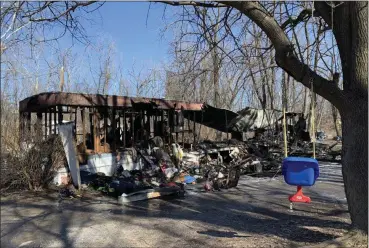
x=335, y=120
x=272, y=87
x=355, y=160
x=216, y=69
x=315, y=65
x=305, y=107
x=354, y=114
x=334, y=109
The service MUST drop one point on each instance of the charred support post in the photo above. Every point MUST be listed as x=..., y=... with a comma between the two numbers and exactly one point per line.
x=194, y=127
x=189, y=130
x=76, y=123
x=92, y=127
x=155, y=122
x=105, y=130
x=162, y=122
x=176, y=125
x=124, y=128
x=54, y=113
x=114, y=127
x=226, y=120
x=119, y=113
x=83, y=117
x=132, y=130
x=140, y=136
x=60, y=115
x=45, y=126
x=183, y=136
x=170, y=128
x=96, y=133
x=50, y=110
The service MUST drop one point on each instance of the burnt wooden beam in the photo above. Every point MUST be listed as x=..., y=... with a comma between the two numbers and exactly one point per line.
x=96, y=132
x=176, y=125
x=114, y=127
x=50, y=120
x=54, y=113
x=83, y=118
x=141, y=124
x=75, y=123
x=132, y=131
x=194, y=127
x=105, y=129
x=170, y=128
x=60, y=115
x=124, y=128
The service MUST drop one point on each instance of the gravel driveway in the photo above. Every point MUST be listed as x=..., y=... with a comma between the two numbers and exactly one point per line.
x=255, y=214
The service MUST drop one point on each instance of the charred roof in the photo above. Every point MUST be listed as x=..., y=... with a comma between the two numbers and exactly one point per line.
x=46, y=100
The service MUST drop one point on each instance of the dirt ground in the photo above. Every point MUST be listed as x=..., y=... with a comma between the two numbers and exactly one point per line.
x=255, y=214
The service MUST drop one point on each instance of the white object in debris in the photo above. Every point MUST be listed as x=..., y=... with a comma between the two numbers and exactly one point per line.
x=191, y=158
x=169, y=172
x=103, y=163
x=61, y=177
x=255, y=162
x=66, y=134
x=128, y=163
x=220, y=175
x=107, y=163
x=234, y=153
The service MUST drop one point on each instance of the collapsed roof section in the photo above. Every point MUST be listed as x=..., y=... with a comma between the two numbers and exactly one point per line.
x=225, y=120
x=212, y=117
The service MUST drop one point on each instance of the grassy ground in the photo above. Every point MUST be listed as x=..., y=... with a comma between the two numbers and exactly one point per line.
x=255, y=214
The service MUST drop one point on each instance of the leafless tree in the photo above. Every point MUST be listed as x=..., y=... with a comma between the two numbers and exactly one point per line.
x=24, y=21
x=340, y=18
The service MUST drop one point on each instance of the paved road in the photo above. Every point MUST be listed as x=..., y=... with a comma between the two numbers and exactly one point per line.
x=255, y=214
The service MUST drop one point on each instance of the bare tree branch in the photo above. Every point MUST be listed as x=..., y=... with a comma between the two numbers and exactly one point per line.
x=285, y=55
x=193, y=3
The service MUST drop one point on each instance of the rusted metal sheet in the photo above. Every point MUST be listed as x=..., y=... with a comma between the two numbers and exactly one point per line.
x=52, y=99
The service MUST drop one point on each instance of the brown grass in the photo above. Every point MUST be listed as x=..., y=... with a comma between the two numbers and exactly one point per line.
x=33, y=167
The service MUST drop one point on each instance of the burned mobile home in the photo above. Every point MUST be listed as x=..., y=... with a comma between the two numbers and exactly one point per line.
x=105, y=123
x=142, y=144
x=108, y=123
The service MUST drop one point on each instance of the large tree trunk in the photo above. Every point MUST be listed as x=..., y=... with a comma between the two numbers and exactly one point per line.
x=355, y=161
x=352, y=18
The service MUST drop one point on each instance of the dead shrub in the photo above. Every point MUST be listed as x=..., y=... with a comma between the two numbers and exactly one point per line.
x=33, y=166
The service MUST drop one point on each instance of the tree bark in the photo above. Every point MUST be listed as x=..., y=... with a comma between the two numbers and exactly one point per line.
x=355, y=161
x=351, y=32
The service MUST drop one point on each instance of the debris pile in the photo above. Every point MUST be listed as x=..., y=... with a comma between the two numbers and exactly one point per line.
x=153, y=170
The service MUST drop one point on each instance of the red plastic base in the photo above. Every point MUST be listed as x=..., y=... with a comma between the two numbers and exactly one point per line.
x=299, y=196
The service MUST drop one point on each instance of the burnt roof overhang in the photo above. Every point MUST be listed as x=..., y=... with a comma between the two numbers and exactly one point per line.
x=43, y=101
